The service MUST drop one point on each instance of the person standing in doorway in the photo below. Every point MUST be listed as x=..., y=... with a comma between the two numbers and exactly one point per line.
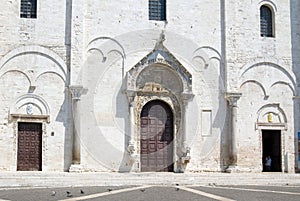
x=268, y=163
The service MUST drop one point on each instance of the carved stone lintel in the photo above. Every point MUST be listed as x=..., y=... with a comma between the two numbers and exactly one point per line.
x=77, y=91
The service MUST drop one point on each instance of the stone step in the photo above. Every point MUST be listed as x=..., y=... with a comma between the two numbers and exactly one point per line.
x=40, y=179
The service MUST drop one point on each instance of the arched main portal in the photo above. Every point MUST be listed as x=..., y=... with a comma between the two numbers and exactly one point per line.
x=158, y=87
x=156, y=130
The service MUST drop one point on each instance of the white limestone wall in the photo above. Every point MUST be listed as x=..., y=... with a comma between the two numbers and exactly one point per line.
x=113, y=50
x=47, y=30
x=105, y=108
x=261, y=68
x=233, y=35
x=93, y=19
x=32, y=74
x=210, y=38
x=244, y=43
x=257, y=94
x=32, y=55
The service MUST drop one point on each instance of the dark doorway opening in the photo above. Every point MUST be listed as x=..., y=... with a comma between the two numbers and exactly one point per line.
x=156, y=137
x=271, y=145
x=29, y=156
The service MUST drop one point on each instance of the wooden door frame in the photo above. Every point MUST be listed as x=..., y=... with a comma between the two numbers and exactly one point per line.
x=282, y=129
x=17, y=118
x=141, y=101
x=279, y=134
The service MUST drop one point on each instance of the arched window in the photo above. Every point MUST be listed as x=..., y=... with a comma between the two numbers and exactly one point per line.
x=157, y=10
x=28, y=8
x=266, y=22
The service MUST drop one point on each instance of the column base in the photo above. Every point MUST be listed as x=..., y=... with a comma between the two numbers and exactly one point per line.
x=232, y=169
x=76, y=168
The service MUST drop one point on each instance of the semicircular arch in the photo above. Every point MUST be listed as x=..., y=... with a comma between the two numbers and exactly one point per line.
x=38, y=50
x=37, y=101
x=250, y=71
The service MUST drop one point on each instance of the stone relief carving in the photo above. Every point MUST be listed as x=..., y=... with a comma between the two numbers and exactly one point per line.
x=29, y=109
x=161, y=60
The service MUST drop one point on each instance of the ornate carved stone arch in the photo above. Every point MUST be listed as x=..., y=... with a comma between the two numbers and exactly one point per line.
x=159, y=76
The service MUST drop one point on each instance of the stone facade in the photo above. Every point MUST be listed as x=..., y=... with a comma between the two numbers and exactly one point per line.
x=84, y=70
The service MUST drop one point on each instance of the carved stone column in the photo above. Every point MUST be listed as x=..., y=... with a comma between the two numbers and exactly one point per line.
x=131, y=147
x=131, y=142
x=232, y=99
x=76, y=92
x=185, y=156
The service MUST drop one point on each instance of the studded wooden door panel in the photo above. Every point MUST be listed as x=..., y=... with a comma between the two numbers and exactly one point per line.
x=156, y=137
x=29, y=147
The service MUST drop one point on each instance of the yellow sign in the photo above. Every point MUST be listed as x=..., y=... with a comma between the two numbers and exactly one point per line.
x=270, y=118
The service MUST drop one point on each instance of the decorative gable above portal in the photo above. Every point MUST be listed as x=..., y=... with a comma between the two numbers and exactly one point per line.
x=159, y=72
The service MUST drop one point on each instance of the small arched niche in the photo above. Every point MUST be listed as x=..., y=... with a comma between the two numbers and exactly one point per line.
x=271, y=116
x=30, y=106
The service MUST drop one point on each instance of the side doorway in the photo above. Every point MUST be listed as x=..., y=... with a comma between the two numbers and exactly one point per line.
x=29, y=155
x=271, y=146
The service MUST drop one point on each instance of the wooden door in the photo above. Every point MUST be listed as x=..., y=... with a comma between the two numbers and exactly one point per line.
x=29, y=147
x=156, y=137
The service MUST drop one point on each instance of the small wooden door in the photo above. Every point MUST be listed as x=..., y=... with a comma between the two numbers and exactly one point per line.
x=156, y=137
x=29, y=147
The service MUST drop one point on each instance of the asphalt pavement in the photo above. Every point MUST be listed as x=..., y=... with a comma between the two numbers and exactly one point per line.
x=50, y=186
x=153, y=193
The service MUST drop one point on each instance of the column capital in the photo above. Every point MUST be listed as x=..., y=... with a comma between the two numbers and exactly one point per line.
x=186, y=97
x=130, y=95
x=233, y=97
x=77, y=91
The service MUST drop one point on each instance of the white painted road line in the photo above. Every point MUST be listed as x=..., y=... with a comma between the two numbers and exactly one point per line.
x=254, y=190
x=106, y=193
x=216, y=197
